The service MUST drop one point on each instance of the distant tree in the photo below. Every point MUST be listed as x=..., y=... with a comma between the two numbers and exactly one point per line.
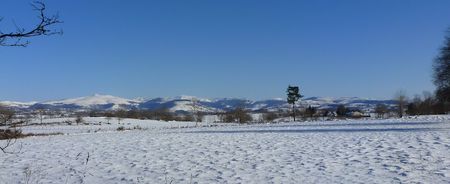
x=414, y=107
x=426, y=105
x=341, y=111
x=324, y=113
x=120, y=115
x=310, y=111
x=108, y=116
x=381, y=110
x=269, y=116
x=188, y=118
x=25, y=118
x=293, y=95
x=164, y=114
x=227, y=117
x=15, y=38
x=6, y=116
x=93, y=113
x=133, y=114
x=239, y=115
x=441, y=75
x=196, y=113
x=40, y=113
x=401, y=100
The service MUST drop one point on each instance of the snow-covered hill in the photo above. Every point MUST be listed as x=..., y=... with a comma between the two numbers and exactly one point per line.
x=94, y=100
x=17, y=104
x=186, y=103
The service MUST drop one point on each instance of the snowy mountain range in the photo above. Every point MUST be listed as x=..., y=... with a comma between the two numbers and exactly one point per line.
x=185, y=103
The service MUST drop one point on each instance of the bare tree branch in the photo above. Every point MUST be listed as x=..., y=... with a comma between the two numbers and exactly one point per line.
x=41, y=29
x=10, y=136
x=8, y=133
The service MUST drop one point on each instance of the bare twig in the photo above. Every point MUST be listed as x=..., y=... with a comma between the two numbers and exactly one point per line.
x=11, y=136
x=87, y=159
x=42, y=28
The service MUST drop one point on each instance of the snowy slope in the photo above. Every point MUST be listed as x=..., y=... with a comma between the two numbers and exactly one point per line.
x=184, y=103
x=103, y=102
x=94, y=100
x=17, y=104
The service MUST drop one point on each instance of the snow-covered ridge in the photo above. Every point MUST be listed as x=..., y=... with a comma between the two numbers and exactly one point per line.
x=94, y=100
x=17, y=104
x=185, y=103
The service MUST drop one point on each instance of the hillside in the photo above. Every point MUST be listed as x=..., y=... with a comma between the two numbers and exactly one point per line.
x=184, y=103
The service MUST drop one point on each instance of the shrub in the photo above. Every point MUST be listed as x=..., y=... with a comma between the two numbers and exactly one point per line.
x=10, y=134
x=79, y=119
x=341, y=111
x=239, y=115
x=270, y=116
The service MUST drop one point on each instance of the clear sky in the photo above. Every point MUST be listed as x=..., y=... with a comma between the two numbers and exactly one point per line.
x=225, y=48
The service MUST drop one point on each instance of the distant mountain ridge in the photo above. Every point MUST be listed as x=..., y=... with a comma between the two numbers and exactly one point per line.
x=185, y=103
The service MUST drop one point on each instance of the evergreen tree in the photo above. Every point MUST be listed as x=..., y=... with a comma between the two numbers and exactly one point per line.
x=293, y=95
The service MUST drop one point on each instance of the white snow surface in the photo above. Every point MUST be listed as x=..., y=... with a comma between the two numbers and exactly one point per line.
x=408, y=150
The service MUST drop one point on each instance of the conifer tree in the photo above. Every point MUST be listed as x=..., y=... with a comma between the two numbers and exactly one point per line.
x=293, y=95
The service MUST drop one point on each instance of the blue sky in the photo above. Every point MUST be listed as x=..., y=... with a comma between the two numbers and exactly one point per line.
x=218, y=48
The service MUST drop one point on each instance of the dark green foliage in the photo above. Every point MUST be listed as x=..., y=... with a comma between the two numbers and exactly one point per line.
x=293, y=95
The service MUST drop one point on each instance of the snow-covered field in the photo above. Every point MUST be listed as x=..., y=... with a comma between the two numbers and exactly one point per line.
x=409, y=150
x=92, y=125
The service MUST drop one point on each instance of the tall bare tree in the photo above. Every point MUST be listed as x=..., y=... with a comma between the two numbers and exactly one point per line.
x=197, y=114
x=19, y=36
x=401, y=99
x=381, y=110
x=441, y=75
x=40, y=112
